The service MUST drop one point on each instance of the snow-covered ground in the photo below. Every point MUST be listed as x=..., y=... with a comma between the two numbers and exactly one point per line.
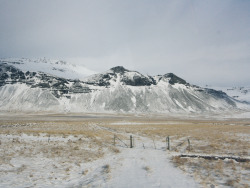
x=80, y=152
x=136, y=167
x=146, y=168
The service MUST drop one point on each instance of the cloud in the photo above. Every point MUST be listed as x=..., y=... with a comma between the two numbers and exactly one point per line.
x=197, y=40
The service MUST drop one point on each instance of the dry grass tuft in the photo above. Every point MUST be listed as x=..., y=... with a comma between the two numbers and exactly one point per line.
x=147, y=168
x=115, y=150
x=84, y=172
x=179, y=161
x=231, y=183
x=106, y=168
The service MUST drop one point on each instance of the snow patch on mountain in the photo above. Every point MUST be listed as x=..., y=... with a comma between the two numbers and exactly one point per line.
x=54, y=67
x=241, y=93
x=20, y=97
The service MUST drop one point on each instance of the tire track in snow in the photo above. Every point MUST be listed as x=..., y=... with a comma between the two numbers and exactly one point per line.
x=146, y=168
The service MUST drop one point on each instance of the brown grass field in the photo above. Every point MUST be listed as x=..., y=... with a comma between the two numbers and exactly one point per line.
x=89, y=137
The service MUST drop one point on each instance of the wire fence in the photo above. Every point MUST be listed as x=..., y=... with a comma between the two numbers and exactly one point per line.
x=137, y=142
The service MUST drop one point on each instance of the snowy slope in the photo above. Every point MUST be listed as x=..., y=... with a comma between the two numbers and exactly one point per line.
x=116, y=90
x=240, y=93
x=54, y=67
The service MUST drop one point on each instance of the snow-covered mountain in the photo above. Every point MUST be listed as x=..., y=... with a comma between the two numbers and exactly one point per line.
x=54, y=67
x=241, y=93
x=116, y=90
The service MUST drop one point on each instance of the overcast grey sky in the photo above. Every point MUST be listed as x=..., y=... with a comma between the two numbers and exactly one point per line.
x=202, y=41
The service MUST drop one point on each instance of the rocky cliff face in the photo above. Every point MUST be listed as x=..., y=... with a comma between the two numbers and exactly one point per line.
x=116, y=90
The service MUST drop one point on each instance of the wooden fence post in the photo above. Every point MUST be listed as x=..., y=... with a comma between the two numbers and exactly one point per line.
x=168, y=141
x=189, y=147
x=131, y=141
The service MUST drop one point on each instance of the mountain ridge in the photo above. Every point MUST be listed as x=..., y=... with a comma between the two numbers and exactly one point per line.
x=58, y=68
x=115, y=90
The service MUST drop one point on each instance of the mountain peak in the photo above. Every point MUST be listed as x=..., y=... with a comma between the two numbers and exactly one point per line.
x=174, y=79
x=119, y=69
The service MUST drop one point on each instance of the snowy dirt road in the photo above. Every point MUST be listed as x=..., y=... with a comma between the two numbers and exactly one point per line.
x=137, y=167
x=146, y=168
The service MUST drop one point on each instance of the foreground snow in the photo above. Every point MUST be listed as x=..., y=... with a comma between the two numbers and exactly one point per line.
x=146, y=168
x=80, y=152
x=136, y=167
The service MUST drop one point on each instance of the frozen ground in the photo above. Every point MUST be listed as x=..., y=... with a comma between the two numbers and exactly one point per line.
x=38, y=161
x=146, y=168
x=136, y=168
x=58, y=151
